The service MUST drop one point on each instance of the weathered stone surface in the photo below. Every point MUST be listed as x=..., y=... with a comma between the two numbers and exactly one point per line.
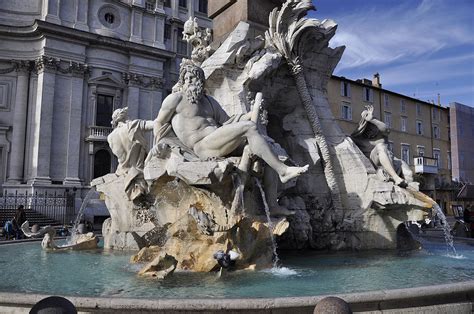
x=160, y=267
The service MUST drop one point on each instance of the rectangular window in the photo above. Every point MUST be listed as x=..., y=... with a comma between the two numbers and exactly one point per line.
x=345, y=89
x=437, y=156
x=150, y=5
x=403, y=106
x=183, y=3
x=368, y=94
x=202, y=6
x=418, y=109
x=167, y=3
x=404, y=122
x=435, y=114
x=406, y=153
x=386, y=102
x=346, y=112
x=167, y=31
x=104, y=110
x=388, y=119
x=436, y=131
x=420, y=151
x=419, y=127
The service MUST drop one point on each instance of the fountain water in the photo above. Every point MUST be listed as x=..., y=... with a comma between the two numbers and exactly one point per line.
x=276, y=260
x=80, y=214
x=446, y=230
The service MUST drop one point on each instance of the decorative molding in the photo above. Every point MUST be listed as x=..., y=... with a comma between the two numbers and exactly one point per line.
x=134, y=79
x=54, y=64
x=46, y=63
x=19, y=66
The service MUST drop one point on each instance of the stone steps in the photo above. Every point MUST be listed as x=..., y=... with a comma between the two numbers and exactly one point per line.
x=32, y=216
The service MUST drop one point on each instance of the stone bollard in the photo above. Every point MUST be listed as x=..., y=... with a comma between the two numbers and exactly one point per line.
x=332, y=305
x=54, y=305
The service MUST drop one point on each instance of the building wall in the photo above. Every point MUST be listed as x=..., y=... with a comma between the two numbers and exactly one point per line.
x=57, y=58
x=462, y=142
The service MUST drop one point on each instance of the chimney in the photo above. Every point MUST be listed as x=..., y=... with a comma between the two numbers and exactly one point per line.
x=376, y=80
x=439, y=100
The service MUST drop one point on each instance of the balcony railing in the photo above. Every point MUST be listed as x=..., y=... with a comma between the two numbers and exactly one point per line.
x=98, y=133
x=426, y=165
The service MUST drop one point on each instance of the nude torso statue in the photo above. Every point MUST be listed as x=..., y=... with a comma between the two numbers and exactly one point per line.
x=202, y=125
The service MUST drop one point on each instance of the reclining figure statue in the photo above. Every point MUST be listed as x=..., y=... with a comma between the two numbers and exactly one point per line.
x=201, y=124
x=372, y=138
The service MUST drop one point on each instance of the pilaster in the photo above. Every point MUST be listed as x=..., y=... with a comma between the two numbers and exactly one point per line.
x=75, y=116
x=51, y=11
x=43, y=120
x=17, y=155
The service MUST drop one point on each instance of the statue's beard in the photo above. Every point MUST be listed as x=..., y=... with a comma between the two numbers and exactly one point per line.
x=194, y=92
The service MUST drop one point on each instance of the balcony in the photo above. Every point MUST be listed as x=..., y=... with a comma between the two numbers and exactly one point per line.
x=426, y=165
x=98, y=133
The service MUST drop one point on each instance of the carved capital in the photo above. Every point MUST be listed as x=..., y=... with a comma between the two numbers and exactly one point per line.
x=45, y=63
x=78, y=69
x=23, y=66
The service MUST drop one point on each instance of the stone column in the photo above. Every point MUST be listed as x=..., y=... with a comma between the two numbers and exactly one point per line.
x=75, y=116
x=43, y=120
x=17, y=154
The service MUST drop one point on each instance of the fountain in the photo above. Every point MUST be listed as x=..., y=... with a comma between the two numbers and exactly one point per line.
x=263, y=136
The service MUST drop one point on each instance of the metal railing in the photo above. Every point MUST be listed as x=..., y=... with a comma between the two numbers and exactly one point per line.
x=53, y=205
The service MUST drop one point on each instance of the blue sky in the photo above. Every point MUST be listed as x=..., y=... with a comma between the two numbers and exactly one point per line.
x=419, y=47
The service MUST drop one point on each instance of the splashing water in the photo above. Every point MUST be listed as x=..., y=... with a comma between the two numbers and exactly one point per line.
x=80, y=214
x=276, y=260
x=282, y=271
x=451, y=250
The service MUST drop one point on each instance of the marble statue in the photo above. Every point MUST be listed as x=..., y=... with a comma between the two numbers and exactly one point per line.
x=86, y=241
x=372, y=138
x=203, y=126
x=213, y=151
x=127, y=142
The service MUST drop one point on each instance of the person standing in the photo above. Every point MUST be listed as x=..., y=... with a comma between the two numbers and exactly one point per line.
x=18, y=220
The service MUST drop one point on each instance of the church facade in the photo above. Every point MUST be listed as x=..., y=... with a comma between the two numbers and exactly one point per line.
x=65, y=66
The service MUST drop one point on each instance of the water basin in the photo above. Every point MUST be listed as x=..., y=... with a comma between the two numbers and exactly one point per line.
x=26, y=268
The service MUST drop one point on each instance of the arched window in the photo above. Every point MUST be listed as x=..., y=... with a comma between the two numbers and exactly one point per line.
x=102, y=162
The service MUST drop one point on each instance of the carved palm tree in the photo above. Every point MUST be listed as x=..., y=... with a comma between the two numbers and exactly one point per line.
x=286, y=27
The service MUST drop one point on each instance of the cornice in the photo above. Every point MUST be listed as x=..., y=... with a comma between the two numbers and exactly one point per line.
x=41, y=28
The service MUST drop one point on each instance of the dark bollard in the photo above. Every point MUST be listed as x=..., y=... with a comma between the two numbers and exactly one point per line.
x=332, y=305
x=54, y=305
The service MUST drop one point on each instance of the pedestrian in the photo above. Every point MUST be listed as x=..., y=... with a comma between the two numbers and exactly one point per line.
x=18, y=220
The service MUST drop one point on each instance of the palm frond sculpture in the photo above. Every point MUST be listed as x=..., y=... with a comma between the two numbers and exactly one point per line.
x=287, y=29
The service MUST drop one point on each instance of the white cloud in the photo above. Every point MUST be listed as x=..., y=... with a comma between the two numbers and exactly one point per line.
x=382, y=35
x=429, y=70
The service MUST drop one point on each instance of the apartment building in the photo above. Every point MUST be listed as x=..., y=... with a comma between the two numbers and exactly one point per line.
x=419, y=129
